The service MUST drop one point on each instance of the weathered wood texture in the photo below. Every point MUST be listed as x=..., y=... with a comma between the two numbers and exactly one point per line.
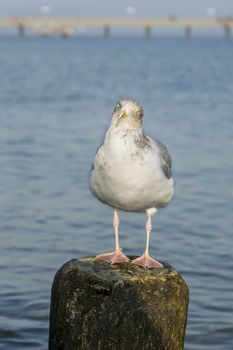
x=97, y=306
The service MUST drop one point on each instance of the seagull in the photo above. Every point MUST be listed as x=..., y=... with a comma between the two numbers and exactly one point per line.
x=131, y=172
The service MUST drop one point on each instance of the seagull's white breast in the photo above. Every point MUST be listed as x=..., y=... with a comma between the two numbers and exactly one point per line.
x=127, y=172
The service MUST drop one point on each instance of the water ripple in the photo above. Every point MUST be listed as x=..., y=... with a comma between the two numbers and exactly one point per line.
x=55, y=107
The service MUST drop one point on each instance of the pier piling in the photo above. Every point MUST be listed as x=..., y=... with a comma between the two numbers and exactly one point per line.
x=148, y=31
x=96, y=305
x=188, y=31
x=227, y=31
x=21, y=30
x=107, y=31
x=64, y=31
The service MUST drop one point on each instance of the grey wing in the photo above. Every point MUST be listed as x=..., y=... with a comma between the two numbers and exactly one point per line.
x=166, y=160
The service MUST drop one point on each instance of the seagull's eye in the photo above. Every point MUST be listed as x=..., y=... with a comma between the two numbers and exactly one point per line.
x=118, y=105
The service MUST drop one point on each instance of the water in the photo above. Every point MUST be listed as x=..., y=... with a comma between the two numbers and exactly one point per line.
x=56, y=100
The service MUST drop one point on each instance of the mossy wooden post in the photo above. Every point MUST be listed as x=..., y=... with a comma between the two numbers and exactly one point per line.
x=98, y=306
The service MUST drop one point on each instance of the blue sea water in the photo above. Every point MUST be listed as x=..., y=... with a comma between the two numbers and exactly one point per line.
x=56, y=100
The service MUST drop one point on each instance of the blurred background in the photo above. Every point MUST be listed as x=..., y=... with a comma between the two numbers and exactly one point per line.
x=56, y=99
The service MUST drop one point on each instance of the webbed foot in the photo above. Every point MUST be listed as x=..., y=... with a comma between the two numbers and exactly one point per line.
x=113, y=257
x=147, y=262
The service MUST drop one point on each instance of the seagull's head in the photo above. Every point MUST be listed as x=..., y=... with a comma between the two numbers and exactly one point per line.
x=127, y=114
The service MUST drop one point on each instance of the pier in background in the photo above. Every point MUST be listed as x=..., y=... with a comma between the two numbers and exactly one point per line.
x=46, y=26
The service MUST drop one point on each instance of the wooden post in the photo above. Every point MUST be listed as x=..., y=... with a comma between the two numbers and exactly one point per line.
x=95, y=305
x=107, y=31
x=148, y=31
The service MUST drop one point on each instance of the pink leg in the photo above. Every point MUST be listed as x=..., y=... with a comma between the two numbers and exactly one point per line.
x=117, y=256
x=146, y=260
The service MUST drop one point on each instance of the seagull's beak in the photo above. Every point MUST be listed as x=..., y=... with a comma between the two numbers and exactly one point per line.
x=122, y=114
